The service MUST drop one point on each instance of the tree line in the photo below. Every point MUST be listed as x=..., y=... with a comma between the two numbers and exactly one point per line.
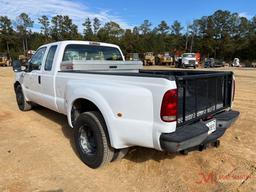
x=222, y=35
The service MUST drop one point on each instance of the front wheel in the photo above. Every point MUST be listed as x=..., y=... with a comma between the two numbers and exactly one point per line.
x=21, y=101
x=91, y=139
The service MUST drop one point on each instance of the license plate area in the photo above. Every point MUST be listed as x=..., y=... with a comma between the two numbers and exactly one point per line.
x=211, y=125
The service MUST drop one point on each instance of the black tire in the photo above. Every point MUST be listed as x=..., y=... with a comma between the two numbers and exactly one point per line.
x=21, y=101
x=91, y=140
x=119, y=154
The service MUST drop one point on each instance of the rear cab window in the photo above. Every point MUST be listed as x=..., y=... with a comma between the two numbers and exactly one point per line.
x=50, y=58
x=91, y=52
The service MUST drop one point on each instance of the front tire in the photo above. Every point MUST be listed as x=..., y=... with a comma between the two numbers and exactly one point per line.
x=91, y=140
x=21, y=101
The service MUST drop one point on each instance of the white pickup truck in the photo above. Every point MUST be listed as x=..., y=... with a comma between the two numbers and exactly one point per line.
x=187, y=60
x=113, y=104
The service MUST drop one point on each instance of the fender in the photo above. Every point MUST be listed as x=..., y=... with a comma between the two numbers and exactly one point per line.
x=111, y=99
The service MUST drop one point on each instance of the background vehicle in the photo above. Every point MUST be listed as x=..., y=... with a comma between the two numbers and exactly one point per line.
x=188, y=60
x=211, y=62
x=164, y=59
x=5, y=60
x=133, y=57
x=112, y=104
x=236, y=63
x=23, y=59
x=149, y=58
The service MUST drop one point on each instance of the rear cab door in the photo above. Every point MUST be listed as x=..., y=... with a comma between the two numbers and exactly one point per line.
x=48, y=94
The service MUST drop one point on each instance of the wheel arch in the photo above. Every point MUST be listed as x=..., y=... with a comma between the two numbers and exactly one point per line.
x=80, y=105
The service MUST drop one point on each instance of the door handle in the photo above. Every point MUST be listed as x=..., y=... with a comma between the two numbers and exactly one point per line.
x=39, y=79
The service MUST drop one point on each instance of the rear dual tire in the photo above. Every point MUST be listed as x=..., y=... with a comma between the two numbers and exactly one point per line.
x=92, y=140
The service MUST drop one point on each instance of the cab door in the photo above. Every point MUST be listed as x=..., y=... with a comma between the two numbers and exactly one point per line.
x=32, y=79
x=48, y=97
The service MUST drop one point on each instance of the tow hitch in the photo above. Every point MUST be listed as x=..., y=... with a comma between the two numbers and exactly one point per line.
x=201, y=147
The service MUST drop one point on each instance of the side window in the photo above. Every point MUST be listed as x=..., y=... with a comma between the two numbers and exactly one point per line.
x=49, y=58
x=37, y=59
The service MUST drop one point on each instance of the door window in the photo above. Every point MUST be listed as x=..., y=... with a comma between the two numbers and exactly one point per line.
x=49, y=58
x=37, y=59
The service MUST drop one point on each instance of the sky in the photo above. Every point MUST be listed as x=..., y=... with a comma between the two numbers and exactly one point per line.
x=128, y=13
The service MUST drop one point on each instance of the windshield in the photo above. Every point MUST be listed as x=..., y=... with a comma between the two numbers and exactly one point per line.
x=91, y=52
x=189, y=55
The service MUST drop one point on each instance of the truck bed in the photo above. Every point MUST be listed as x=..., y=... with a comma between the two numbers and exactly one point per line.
x=200, y=93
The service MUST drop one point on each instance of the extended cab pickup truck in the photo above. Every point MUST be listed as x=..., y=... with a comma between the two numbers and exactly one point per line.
x=114, y=104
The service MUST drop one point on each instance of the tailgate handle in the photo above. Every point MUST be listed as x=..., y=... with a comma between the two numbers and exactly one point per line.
x=113, y=67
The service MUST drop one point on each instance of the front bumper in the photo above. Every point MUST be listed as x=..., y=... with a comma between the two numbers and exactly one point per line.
x=189, y=65
x=196, y=134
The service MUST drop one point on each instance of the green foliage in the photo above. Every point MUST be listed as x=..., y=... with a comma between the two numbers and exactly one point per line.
x=6, y=33
x=96, y=25
x=24, y=24
x=45, y=25
x=223, y=35
x=88, y=33
x=176, y=28
x=63, y=28
x=163, y=28
x=111, y=33
x=145, y=27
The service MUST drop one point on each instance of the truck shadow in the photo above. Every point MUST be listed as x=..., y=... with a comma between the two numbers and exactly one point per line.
x=60, y=119
x=135, y=154
x=140, y=154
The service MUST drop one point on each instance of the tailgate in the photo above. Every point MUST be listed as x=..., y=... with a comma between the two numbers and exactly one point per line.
x=200, y=95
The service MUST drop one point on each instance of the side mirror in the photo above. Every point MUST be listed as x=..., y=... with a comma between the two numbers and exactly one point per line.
x=16, y=65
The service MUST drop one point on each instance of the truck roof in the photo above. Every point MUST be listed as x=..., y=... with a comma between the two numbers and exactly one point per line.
x=66, y=42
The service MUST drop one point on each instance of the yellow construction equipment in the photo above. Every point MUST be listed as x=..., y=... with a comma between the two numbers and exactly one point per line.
x=149, y=58
x=164, y=59
x=5, y=60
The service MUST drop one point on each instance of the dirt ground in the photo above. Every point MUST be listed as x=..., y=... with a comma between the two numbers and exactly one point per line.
x=37, y=153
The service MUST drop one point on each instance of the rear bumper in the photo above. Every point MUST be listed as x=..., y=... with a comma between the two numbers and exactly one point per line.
x=197, y=134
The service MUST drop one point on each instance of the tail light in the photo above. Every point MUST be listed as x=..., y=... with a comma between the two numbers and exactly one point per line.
x=169, y=106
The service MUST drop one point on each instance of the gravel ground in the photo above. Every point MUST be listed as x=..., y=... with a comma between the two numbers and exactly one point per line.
x=38, y=154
